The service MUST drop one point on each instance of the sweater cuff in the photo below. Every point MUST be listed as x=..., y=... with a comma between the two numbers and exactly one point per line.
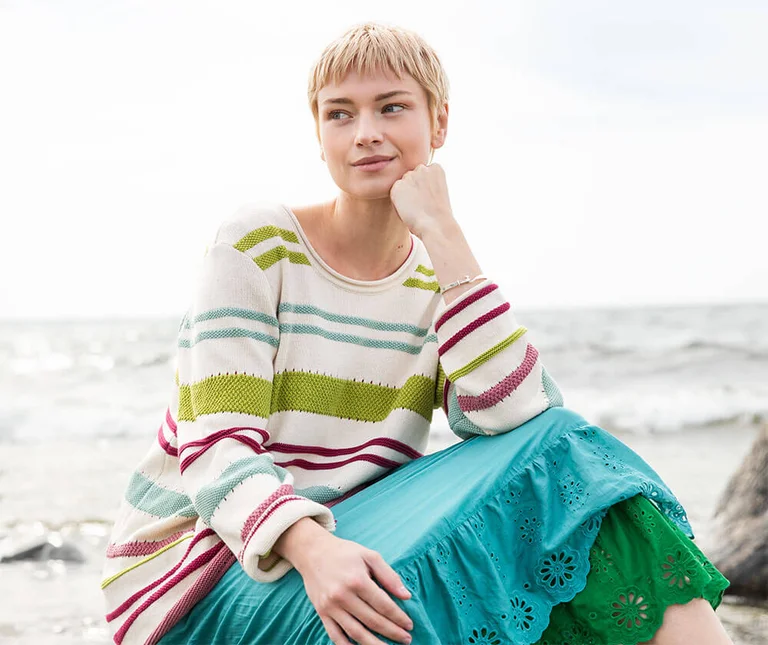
x=264, y=535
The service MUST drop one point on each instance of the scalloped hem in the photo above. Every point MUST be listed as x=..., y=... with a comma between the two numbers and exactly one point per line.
x=627, y=592
x=525, y=548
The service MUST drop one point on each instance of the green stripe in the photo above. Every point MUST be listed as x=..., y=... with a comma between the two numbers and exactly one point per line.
x=259, y=235
x=147, y=496
x=487, y=355
x=438, y=402
x=229, y=332
x=346, y=399
x=225, y=393
x=298, y=328
x=211, y=495
x=370, y=323
x=420, y=284
x=231, y=312
x=425, y=270
x=266, y=260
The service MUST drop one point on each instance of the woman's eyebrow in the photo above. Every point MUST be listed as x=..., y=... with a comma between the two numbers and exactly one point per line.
x=379, y=97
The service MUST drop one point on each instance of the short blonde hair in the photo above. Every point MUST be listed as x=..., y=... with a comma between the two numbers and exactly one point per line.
x=370, y=45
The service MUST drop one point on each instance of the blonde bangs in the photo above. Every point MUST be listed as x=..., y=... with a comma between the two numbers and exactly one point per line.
x=369, y=47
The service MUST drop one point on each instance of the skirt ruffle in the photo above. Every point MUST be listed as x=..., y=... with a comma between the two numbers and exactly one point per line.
x=495, y=537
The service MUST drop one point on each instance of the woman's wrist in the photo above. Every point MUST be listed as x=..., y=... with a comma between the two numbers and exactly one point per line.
x=452, y=258
x=298, y=541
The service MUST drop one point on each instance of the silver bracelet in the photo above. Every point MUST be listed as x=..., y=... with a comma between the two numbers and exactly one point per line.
x=463, y=280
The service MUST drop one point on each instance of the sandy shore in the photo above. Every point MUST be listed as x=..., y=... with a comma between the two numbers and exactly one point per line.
x=53, y=603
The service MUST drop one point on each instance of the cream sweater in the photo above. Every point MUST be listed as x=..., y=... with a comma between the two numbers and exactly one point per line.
x=296, y=387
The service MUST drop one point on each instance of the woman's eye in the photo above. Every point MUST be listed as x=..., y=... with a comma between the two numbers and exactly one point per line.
x=332, y=114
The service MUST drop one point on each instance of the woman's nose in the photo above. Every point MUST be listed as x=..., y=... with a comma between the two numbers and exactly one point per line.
x=368, y=131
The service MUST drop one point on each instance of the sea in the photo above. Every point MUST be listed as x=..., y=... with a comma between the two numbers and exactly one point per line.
x=649, y=369
x=81, y=401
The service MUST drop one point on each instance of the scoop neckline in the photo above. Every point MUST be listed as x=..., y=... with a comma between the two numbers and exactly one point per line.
x=344, y=281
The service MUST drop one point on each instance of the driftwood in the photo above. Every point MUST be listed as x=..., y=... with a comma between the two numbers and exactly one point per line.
x=740, y=549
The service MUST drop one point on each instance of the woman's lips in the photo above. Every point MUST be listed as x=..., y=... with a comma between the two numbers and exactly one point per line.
x=372, y=167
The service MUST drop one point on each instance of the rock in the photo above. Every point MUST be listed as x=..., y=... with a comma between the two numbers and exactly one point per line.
x=740, y=547
x=45, y=550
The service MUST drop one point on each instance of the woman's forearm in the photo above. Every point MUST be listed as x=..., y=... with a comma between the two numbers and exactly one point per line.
x=451, y=258
x=296, y=542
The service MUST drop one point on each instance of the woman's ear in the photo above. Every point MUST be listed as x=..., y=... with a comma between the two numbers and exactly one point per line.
x=441, y=130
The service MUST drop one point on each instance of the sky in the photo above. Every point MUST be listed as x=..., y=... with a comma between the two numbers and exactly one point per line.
x=599, y=153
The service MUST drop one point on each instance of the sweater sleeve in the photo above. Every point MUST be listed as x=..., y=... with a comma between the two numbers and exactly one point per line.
x=227, y=345
x=490, y=377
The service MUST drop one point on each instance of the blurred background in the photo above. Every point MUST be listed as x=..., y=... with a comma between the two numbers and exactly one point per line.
x=606, y=160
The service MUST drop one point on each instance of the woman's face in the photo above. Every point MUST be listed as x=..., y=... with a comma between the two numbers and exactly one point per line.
x=364, y=124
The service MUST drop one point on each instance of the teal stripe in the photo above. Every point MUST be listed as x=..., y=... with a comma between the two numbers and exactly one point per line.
x=458, y=422
x=553, y=392
x=211, y=495
x=319, y=494
x=147, y=496
x=291, y=328
x=229, y=332
x=352, y=320
x=231, y=312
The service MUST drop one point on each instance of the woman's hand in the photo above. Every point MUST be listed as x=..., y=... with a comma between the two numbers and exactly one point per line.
x=420, y=198
x=339, y=577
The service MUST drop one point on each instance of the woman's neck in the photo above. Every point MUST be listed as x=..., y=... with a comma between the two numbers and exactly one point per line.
x=364, y=240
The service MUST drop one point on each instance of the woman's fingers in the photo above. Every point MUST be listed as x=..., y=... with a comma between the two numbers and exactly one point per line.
x=375, y=620
x=382, y=603
x=334, y=632
x=386, y=575
x=354, y=629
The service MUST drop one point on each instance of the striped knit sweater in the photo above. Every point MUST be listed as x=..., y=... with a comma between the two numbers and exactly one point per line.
x=296, y=387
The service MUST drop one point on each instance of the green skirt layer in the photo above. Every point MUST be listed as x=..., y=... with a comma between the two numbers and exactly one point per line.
x=640, y=564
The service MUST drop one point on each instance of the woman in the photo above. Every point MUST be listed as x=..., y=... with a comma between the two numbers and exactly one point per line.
x=287, y=498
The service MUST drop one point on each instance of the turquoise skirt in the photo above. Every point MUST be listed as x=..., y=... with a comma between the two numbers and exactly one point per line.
x=553, y=533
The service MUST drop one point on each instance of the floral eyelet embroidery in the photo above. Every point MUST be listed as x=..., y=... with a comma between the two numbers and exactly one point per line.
x=484, y=636
x=557, y=570
x=630, y=609
x=679, y=568
x=522, y=614
x=528, y=525
x=572, y=492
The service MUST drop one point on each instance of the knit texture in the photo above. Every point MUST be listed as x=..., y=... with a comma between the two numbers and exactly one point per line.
x=295, y=388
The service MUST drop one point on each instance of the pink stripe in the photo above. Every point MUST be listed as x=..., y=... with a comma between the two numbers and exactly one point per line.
x=135, y=549
x=212, y=440
x=169, y=420
x=169, y=449
x=125, y=605
x=283, y=500
x=307, y=465
x=463, y=304
x=479, y=322
x=198, y=562
x=220, y=564
x=502, y=389
x=323, y=451
x=445, y=394
x=285, y=489
x=215, y=436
